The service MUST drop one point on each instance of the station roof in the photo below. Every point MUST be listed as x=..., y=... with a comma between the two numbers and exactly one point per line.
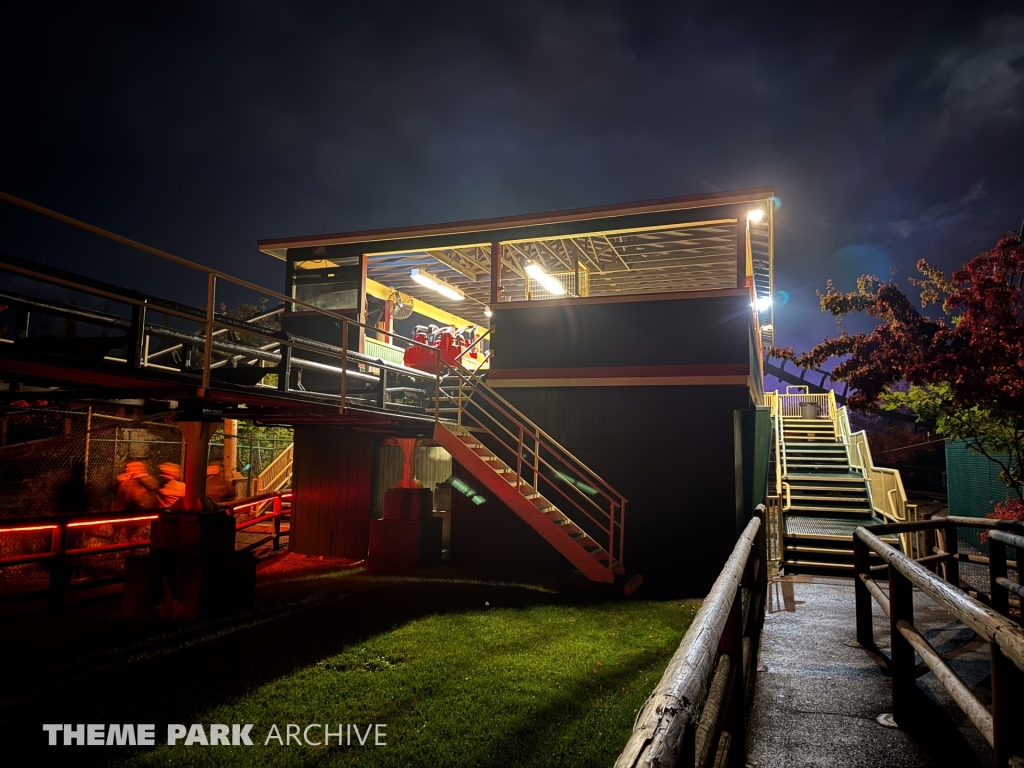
x=655, y=246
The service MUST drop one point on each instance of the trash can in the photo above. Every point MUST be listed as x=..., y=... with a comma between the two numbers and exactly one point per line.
x=809, y=411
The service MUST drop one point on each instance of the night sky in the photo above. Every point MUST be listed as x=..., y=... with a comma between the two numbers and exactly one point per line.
x=199, y=128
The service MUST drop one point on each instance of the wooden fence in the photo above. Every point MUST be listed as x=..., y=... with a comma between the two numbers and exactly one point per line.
x=1001, y=726
x=679, y=725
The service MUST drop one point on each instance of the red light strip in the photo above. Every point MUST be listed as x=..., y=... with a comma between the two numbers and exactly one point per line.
x=84, y=523
x=29, y=528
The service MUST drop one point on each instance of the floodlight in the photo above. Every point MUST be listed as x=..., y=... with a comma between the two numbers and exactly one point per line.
x=762, y=303
x=754, y=215
x=536, y=271
x=427, y=280
x=487, y=311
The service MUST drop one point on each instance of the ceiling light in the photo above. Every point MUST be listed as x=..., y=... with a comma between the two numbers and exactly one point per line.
x=762, y=303
x=427, y=280
x=754, y=215
x=536, y=271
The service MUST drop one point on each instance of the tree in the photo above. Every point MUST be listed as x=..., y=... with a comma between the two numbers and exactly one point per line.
x=965, y=371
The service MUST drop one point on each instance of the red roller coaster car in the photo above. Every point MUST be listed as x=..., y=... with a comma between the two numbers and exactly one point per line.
x=450, y=341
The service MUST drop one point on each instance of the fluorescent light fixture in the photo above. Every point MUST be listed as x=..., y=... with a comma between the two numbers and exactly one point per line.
x=536, y=271
x=754, y=215
x=762, y=303
x=427, y=280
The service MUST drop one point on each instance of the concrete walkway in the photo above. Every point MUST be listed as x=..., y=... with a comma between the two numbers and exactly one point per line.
x=818, y=696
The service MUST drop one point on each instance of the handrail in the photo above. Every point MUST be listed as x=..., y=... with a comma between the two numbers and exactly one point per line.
x=480, y=407
x=718, y=656
x=547, y=438
x=512, y=413
x=1001, y=726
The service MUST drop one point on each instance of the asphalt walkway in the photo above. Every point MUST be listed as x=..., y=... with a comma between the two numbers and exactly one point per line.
x=819, y=698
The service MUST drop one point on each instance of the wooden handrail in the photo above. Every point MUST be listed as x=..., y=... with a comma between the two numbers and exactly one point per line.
x=1001, y=726
x=720, y=644
x=271, y=476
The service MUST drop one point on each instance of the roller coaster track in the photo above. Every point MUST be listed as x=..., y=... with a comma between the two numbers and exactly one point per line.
x=804, y=377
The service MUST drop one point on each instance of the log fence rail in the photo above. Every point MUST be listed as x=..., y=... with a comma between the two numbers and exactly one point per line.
x=696, y=715
x=1000, y=725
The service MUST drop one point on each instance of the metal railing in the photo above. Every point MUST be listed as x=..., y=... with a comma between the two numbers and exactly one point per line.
x=788, y=405
x=280, y=348
x=64, y=541
x=885, y=485
x=696, y=714
x=540, y=462
x=1001, y=726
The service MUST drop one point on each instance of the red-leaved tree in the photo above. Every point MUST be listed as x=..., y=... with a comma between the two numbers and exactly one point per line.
x=964, y=370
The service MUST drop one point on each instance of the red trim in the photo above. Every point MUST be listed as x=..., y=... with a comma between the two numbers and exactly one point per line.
x=622, y=371
x=77, y=375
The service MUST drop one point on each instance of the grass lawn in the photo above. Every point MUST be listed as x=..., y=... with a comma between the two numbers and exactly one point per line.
x=538, y=685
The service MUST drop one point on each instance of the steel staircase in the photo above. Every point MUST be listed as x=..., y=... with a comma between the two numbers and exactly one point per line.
x=824, y=496
x=564, y=501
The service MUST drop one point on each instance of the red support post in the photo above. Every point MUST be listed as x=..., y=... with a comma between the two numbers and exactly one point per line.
x=277, y=522
x=58, y=565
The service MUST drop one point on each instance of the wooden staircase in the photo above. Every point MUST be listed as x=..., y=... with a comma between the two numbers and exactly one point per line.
x=566, y=503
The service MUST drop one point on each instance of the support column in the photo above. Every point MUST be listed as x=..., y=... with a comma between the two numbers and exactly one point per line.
x=741, y=251
x=230, y=449
x=197, y=448
x=495, y=273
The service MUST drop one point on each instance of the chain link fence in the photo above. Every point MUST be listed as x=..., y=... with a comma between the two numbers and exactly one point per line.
x=41, y=448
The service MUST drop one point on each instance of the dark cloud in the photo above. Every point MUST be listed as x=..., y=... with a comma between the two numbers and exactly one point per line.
x=200, y=128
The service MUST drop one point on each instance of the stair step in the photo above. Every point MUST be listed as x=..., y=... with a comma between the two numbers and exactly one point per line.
x=817, y=564
x=852, y=478
x=796, y=457
x=834, y=499
x=821, y=550
x=795, y=486
x=854, y=511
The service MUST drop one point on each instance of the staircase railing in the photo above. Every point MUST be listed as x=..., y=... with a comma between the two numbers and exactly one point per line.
x=776, y=504
x=276, y=474
x=539, y=461
x=885, y=486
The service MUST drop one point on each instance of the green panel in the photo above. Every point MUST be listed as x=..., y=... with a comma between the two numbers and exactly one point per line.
x=383, y=351
x=973, y=485
x=762, y=452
